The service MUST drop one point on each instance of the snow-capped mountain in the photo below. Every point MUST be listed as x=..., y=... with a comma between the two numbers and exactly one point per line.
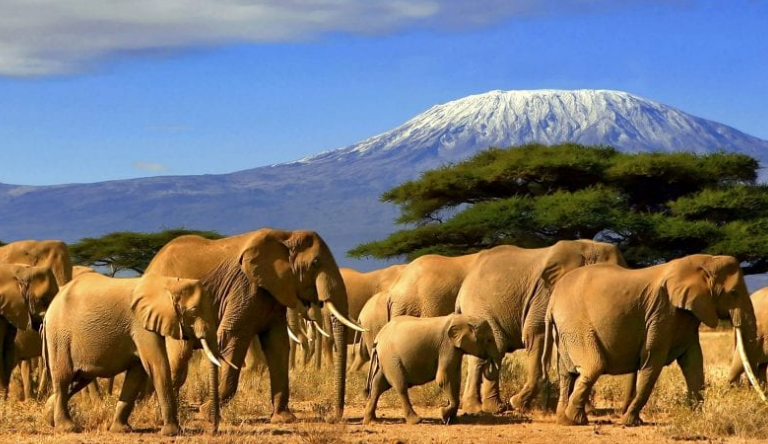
x=336, y=192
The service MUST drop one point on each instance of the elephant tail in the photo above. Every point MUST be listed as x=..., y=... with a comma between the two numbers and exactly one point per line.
x=549, y=339
x=372, y=370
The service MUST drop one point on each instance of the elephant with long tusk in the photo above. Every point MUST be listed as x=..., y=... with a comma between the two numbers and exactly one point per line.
x=607, y=319
x=254, y=278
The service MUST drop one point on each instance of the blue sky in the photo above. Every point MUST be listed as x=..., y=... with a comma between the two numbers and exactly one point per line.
x=101, y=89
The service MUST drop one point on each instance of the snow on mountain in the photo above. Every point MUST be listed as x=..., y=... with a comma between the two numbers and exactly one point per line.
x=336, y=192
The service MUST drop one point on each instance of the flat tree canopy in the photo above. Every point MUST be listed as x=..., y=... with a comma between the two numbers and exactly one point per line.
x=127, y=250
x=655, y=206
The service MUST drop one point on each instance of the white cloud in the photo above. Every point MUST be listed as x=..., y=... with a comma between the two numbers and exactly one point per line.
x=150, y=166
x=48, y=37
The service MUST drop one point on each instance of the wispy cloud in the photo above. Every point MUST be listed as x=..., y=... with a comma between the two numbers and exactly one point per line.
x=48, y=37
x=150, y=166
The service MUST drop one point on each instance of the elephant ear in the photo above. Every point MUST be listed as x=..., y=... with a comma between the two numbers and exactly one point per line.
x=689, y=286
x=462, y=334
x=156, y=306
x=563, y=257
x=266, y=262
x=13, y=303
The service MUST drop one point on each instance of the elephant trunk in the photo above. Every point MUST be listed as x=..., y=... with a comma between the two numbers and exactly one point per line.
x=207, y=336
x=745, y=331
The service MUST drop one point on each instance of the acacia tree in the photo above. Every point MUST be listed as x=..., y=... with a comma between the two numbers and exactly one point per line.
x=654, y=206
x=127, y=250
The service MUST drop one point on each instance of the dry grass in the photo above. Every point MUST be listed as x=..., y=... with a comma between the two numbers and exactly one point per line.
x=726, y=415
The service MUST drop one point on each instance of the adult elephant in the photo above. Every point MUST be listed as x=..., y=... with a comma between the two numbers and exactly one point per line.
x=54, y=255
x=760, y=304
x=611, y=320
x=25, y=293
x=253, y=277
x=510, y=287
x=361, y=286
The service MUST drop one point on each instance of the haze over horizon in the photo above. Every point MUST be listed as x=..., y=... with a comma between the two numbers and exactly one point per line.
x=107, y=92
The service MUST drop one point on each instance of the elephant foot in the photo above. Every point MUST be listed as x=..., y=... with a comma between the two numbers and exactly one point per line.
x=412, y=419
x=576, y=416
x=282, y=417
x=170, y=430
x=589, y=408
x=65, y=425
x=448, y=415
x=117, y=427
x=471, y=405
x=493, y=406
x=48, y=412
x=518, y=402
x=631, y=420
x=370, y=419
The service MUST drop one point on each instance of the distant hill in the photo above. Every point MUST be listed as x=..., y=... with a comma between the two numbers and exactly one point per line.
x=336, y=192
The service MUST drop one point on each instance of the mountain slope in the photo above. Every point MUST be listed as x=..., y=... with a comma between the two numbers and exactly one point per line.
x=336, y=192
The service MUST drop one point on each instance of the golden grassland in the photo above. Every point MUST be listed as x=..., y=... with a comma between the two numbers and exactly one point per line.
x=727, y=415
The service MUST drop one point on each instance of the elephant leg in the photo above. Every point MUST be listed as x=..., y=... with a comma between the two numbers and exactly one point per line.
x=379, y=385
x=43, y=380
x=575, y=412
x=470, y=401
x=154, y=359
x=135, y=380
x=567, y=384
x=761, y=369
x=61, y=417
x=491, y=395
x=274, y=343
x=318, y=351
x=533, y=373
x=110, y=385
x=451, y=384
x=630, y=391
x=8, y=356
x=361, y=356
x=692, y=364
x=411, y=417
x=646, y=379
x=25, y=368
x=292, y=355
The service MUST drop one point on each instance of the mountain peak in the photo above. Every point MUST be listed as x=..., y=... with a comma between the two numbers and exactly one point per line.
x=550, y=116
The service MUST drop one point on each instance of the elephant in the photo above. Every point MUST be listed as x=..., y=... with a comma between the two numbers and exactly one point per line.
x=78, y=270
x=412, y=351
x=100, y=327
x=607, y=319
x=253, y=277
x=361, y=286
x=25, y=294
x=372, y=317
x=53, y=254
x=760, y=304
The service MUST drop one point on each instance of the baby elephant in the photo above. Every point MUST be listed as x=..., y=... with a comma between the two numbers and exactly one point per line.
x=412, y=351
x=100, y=327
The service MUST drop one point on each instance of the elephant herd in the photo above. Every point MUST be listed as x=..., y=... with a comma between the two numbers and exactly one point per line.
x=413, y=322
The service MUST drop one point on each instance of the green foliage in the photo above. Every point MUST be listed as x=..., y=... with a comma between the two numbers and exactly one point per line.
x=127, y=250
x=654, y=206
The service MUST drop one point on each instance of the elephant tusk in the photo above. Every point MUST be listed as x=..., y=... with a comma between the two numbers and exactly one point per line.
x=293, y=336
x=208, y=353
x=343, y=319
x=747, y=365
x=228, y=362
x=320, y=330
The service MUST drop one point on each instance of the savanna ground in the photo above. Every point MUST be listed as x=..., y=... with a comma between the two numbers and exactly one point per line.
x=727, y=415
